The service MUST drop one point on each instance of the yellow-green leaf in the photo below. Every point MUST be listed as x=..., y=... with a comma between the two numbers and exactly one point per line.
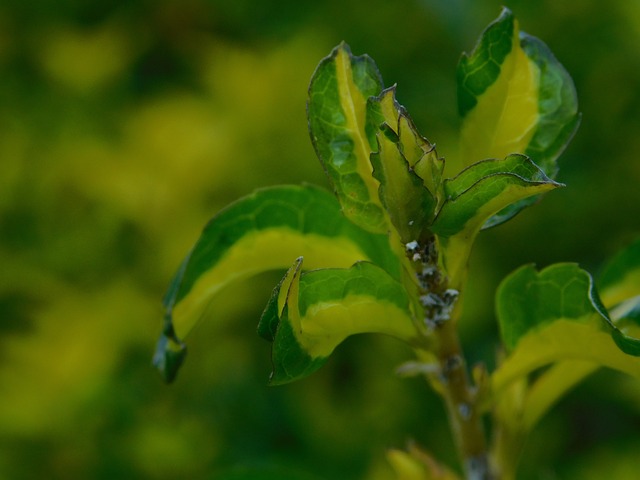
x=514, y=97
x=485, y=188
x=337, y=114
x=311, y=313
x=476, y=194
x=417, y=464
x=497, y=94
x=407, y=201
x=556, y=315
x=563, y=340
x=263, y=231
x=406, y=165
x=529, y=301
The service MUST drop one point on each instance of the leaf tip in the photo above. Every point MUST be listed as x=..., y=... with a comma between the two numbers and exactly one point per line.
x=169, y=356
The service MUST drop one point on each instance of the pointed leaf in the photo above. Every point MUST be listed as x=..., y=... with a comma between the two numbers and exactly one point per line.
x=260, y=232
x=514, y=97
x=485, y=188
x=405, y=164
x=409, y=204
x=311, y=313
x=556, y=315
x=337, y=113
x=420, y=154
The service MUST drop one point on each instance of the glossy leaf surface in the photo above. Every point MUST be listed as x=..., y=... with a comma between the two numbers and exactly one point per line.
x=261, y=232
x=514, y=97
x=556, y=315
x=485, y=188
x=387, y=115
x=406, y=199
x=311, y=313
x=338, y=123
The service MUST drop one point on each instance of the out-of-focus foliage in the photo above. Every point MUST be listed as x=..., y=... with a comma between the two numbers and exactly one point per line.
x=125, y=125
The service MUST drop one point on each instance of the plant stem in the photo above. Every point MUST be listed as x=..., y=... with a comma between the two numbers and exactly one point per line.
x=441, y=305
x=459, y=397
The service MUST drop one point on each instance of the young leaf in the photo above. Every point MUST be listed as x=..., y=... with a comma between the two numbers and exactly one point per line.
x=405, y=164
x=257, y=233
x=472, y=197
x=409, y=204
x=420, y=154
x=514, y=97
x=556, y=315
x=337, y=114
x=483, y=189
x=311, y=313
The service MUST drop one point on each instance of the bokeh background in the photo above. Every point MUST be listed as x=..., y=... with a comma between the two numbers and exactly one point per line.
x=125, y=125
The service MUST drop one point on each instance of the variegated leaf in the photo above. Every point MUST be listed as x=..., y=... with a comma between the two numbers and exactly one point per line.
x=263, y=231
x=311, y=313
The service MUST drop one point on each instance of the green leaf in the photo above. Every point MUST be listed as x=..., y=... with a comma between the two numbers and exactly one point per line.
x=559, y=341
x=550, y=386
x=626, y=316
x=514, y=97
x=472, y=197
x=528, y=299
x=483, y=189
x=261, y=232
x=555, y=315
x=310, y=314
x=620, y=278
x=387, y=115
x=408, y=202
x=337, y=113
x=422, y=156
x=622, y=291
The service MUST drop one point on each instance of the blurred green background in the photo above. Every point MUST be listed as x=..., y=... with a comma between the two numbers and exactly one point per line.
x=125, y=125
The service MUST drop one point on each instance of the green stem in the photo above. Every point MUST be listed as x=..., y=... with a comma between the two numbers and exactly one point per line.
x=441, y=306
x=459, y=397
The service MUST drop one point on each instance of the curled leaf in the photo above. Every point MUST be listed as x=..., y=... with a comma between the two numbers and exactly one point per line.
x=310, y=314
x=261, y=232
x=485, y=188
